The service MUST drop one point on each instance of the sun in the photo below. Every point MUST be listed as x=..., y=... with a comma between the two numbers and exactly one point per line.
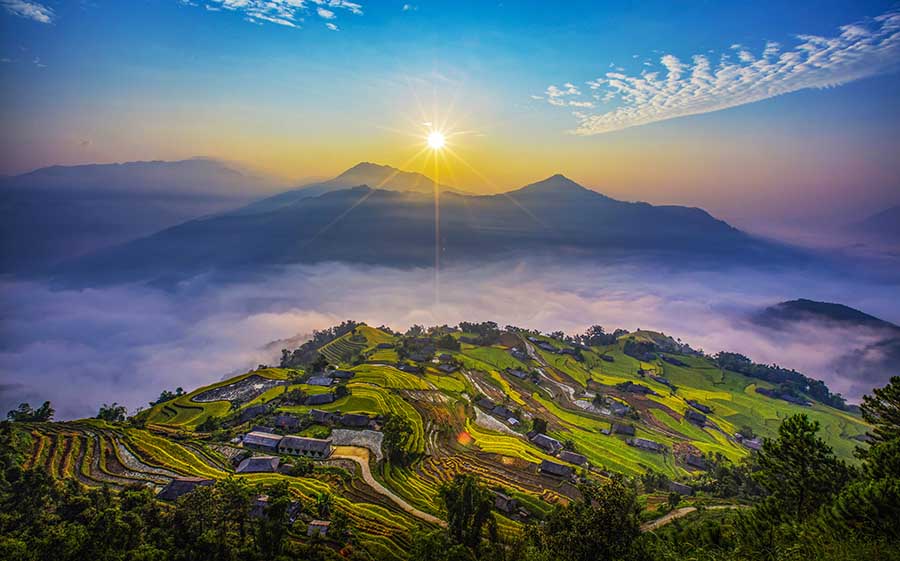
x=436, y=140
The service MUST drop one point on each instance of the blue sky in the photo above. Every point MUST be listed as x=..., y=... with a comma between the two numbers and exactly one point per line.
x=277, y=89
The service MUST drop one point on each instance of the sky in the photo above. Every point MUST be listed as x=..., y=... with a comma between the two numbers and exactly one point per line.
x=768, y=114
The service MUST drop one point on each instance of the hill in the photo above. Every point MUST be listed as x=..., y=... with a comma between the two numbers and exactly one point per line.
x=473, y=398
x=810, y=310
x=60, y=212
x=555, y=217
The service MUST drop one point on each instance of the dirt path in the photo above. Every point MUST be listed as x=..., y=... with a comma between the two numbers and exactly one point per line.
x=679, y=513
x=361, y=457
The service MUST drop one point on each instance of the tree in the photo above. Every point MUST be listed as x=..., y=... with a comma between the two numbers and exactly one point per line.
x=798, y=469
x=25, y=414
x=319, y=364
x=468, y=505
x=114, y=413
x=539, y=425
x=396, y=430
x=603, y=524
x=882, y=411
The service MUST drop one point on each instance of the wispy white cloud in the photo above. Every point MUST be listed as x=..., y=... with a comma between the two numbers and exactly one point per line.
x=680, y=88
x=289, y=13
x=30, y=10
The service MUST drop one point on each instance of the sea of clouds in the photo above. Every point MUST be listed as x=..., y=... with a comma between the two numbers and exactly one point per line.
x=83, y=347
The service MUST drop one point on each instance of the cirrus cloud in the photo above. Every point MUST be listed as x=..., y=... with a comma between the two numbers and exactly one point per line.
x=678, y=89
x=289, y=13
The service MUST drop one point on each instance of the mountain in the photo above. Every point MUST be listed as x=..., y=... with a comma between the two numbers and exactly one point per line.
x=824, y=312
x=882, y=227
x=376, y=226
x=60, y=212
x=365, y=173
x=872, y=344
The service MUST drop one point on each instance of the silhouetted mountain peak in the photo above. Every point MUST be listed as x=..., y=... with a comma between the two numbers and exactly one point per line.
x=557, y=185
x=804, y=309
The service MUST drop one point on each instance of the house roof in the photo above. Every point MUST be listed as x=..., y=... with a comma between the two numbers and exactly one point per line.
x=516, y=372
x=258, y=464
x=181, y=486
x=320, y=399
x=262, y=439
x=305, y=444
x=322, y=416
x=554, y=468
x=695, y=417
x=620, y=428
x=485, y=403
x=546, y=442
x=354, y=420
x=680, y=488
x=572, y=457
x=319, y=381
x=646, y=444
x=342, y=374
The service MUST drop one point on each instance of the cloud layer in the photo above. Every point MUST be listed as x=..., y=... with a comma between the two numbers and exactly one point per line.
x=289, y=13
x=80, y=348
x=29, y=10
x=618, y=100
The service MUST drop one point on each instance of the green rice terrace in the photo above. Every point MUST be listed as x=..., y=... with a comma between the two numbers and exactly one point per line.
x=384, y=419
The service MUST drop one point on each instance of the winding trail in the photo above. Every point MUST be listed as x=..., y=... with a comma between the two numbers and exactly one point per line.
x=361, y=457
x=680, y=513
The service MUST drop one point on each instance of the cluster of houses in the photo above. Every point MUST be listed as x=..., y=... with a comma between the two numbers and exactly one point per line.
x=631, y=387
x=554, y=447
x=547, y=347
x=180, y=486
x=498, y=410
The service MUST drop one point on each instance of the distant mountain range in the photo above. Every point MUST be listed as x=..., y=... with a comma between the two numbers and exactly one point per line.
x=883, y=227
x=60, y=212
x=396, y=226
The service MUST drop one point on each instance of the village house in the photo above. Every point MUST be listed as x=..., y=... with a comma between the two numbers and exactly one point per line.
x=645, y=444
x=699, y=406
x=258, y=464
x=502, y=411
x=620, y=428
x=618, y=409
x=262, y=441
x=505, y=503
x=631, y=387
x=696, y=461
x=408, y=368
x=680, y=488
x=315, y=448
x=485, y=403
x=663, y=381
x=518, y=354
x=448, y=368
x=320, y=399
x=181, y=486
x=572, y=458
x=261, y=504
x=318, y=528
x=342, y=375
x=384, y=346
x=694, y=417
x=520, y=374
x=323, y=381
x=547, y=443
x=354, y=420
x=558, y=470
x=323, y=417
